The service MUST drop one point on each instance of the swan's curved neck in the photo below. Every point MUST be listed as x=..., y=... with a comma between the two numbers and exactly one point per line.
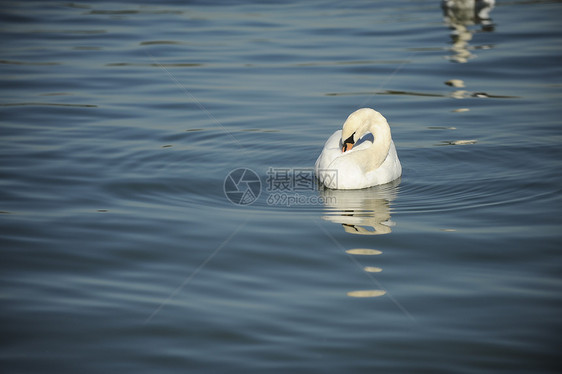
x=373, y=156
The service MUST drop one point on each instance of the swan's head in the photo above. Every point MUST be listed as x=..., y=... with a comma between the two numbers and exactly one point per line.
x=358, y=124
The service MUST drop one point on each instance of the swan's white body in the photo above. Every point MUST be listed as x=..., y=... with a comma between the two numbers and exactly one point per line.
x=367, y=162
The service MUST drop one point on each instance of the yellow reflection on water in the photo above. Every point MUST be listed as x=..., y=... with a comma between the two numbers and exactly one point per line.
x=362, y=212
x=363, y=251
x=367, y=269
x=366, y=293
x=372, y=269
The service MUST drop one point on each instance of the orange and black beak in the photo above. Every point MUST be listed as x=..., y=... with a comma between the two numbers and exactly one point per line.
x=348, y=143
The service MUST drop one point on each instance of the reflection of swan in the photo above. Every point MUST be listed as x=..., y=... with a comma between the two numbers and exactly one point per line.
x=468, y=12
x=459, y=14
x=363, y=212
x=360, y=155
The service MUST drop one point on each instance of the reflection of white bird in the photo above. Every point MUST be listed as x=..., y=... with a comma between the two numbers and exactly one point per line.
x=362, y=212
x=360, y=155
x=459, y=15
x=467, y=12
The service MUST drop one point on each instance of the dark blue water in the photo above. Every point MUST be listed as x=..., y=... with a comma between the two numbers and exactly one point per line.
x=120, y=251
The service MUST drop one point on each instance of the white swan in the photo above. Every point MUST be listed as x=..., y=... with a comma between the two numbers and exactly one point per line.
x=360, y=155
